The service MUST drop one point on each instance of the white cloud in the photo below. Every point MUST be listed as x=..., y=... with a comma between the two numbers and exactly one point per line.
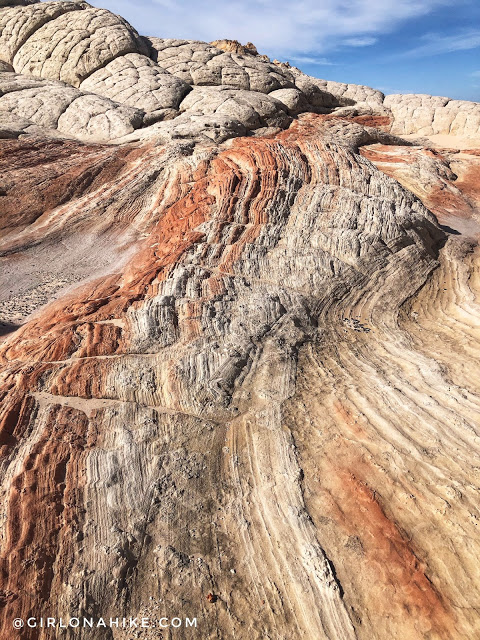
x=435, y=44
x=311, y=60
x=364, y=41
x=276, y=27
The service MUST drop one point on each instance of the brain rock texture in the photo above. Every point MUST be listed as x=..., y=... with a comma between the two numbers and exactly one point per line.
x=239, y=342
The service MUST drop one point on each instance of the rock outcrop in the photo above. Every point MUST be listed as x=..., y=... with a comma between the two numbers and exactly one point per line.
x=234, y=46
x=75, y=44
x=431, y=115
x=137, y=81
x=57, y=106
x=200, y=63
x=239, y=343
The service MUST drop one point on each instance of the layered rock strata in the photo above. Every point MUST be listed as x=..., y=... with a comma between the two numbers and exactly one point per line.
x=239, y=352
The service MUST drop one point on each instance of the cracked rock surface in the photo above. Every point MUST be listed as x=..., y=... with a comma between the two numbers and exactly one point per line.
x=137, y=81
x=57, y=106
x=239, y=342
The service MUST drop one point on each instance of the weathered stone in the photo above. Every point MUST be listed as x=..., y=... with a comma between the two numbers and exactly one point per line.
x=238, y=343
x=445, y=180
x=234, y=46
x=18, y=24
x=9, y=3
x=76, y=44
x=250, y=108
x=193, y=127
x=433, y=115
x=201, y=64
x=13, y=126
x=294, y=100
x=136, y=81
x=325, y=93
x=261, y=286
x=55, y=105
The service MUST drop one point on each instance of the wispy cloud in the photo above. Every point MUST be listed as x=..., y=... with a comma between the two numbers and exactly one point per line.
x=277, y=27
x=387, y=90
x=364, y=41
x=312, y=60
x=435, y=44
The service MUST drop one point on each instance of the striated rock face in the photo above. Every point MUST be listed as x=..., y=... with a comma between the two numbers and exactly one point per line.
x=446, y=180
x=239, y=343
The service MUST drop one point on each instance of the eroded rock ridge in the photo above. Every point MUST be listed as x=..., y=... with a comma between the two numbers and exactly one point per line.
x=239, y=341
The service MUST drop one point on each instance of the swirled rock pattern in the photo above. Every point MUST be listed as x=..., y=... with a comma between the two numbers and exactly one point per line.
x=447, y=180
x=238, y=343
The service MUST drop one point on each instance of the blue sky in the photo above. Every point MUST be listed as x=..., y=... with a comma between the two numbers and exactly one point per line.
x=398, y=46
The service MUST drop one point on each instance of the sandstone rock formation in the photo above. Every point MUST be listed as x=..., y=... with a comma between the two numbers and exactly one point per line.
x=137, y=81
x=199, y=63
x=57, y=106
x=430, y=115
x=238, y=342
x=234, y=46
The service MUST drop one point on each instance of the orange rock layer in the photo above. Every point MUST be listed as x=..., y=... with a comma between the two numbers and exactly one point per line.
x=244, y=404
